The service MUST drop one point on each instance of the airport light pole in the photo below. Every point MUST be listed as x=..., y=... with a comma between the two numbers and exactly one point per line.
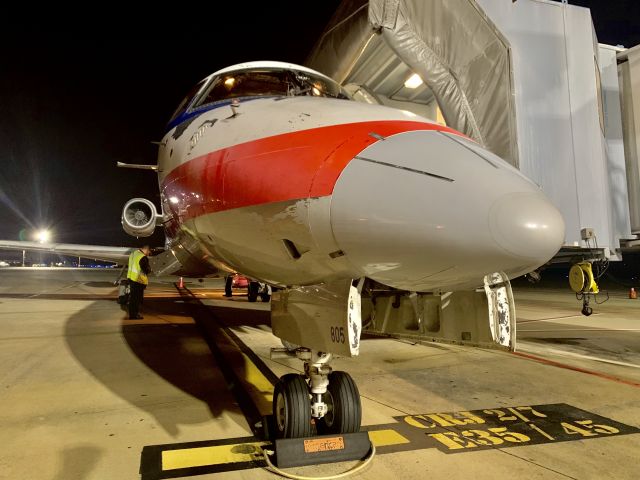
x=24, y=254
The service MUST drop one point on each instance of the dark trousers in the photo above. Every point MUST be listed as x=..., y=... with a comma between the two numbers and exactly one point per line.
x=228, y=281
x=136, y=291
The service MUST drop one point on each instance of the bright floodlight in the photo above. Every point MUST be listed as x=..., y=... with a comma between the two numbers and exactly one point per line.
x=43, y=236
x=414, y=81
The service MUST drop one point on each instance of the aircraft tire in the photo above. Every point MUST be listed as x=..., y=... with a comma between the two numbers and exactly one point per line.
x=292, y=407
x=345, y=410
x=253, y=289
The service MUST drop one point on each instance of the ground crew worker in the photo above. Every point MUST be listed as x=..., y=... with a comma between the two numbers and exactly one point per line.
x=138, y=270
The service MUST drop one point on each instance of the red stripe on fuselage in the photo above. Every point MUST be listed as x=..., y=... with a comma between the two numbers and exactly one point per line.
x=289, y=166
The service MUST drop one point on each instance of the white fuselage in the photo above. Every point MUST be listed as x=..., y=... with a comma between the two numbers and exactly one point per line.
x=300, y=190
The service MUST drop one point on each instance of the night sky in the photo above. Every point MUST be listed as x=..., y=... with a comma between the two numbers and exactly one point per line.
x=76, y=97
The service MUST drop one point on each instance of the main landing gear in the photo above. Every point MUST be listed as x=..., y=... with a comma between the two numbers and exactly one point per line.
x=256, y=289
x=228, y=282
x=328, y=400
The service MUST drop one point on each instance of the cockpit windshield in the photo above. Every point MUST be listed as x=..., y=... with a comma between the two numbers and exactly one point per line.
x=265, y=82
x=186, y=101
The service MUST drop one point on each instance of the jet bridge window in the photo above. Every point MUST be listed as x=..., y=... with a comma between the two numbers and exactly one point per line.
x=268, y=83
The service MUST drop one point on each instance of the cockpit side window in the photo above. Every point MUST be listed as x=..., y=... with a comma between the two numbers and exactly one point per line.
x=186, y=101
x=268, y=82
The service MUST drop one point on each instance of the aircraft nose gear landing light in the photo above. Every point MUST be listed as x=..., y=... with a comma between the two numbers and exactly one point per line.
x=584, y=285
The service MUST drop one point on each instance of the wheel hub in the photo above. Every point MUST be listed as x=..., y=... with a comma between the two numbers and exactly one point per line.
x=329, y=415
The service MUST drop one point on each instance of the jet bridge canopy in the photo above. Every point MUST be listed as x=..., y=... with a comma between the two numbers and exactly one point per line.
x=483, y=62
x=450, y=44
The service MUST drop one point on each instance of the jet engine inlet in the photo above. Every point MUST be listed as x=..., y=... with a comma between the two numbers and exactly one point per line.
x=139, y=217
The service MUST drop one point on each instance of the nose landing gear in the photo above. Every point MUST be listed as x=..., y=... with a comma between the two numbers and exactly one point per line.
x=330, y=398
x=256, y=289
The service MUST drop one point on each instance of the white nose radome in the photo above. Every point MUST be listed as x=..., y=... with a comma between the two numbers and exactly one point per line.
x=527, y=225
x=422, y=210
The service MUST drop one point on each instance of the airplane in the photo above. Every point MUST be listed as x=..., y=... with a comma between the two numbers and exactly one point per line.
x=273, y=171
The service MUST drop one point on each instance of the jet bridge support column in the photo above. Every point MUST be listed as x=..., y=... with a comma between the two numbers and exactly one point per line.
x=484, y=317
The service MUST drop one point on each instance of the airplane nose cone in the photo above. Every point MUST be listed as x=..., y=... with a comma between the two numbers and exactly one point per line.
x=527, y=225
x=421, y=210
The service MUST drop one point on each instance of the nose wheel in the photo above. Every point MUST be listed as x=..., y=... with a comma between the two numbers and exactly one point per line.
x=330, y=398
x=344, y=411
x=292, y=407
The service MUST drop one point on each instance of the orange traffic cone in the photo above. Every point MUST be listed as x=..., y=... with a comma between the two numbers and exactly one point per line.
x=181, y=284
x=633, y=294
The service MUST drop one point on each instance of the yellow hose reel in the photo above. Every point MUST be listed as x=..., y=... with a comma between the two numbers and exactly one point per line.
x=581, y=278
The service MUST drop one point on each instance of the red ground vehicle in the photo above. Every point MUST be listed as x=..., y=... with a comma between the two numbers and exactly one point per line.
x=253, y=288
x=239, y=281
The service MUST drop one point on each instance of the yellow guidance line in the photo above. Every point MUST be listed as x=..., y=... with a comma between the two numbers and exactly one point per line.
x=206, y=456
x=248, y=452
x=384, y=438
x=254, y=383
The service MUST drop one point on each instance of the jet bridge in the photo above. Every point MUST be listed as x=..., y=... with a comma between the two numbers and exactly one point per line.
x=628, y=64
x=525, y=79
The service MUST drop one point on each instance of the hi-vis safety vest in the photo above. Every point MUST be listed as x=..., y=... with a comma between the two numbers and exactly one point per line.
x=135, y=273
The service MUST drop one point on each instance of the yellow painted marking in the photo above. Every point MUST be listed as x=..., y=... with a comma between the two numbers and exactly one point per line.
x=447, y=419
x=540, y=431
x=255, y=384
x=572, y=430
x=383, y=438
x=413, y=420
x=254, y=376
x=198, y=457
x=452, y=440
x=518, y=414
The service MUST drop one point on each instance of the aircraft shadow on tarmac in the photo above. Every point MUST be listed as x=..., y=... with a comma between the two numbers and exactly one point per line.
x=78, y=462
x=151, y=358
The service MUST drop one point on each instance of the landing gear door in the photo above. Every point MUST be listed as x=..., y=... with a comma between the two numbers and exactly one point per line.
x=354, y=320
x=502, y=316
x=326, y=318
x=484, y=317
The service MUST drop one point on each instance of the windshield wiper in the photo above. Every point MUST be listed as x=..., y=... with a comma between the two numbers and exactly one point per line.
x=305, y=85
